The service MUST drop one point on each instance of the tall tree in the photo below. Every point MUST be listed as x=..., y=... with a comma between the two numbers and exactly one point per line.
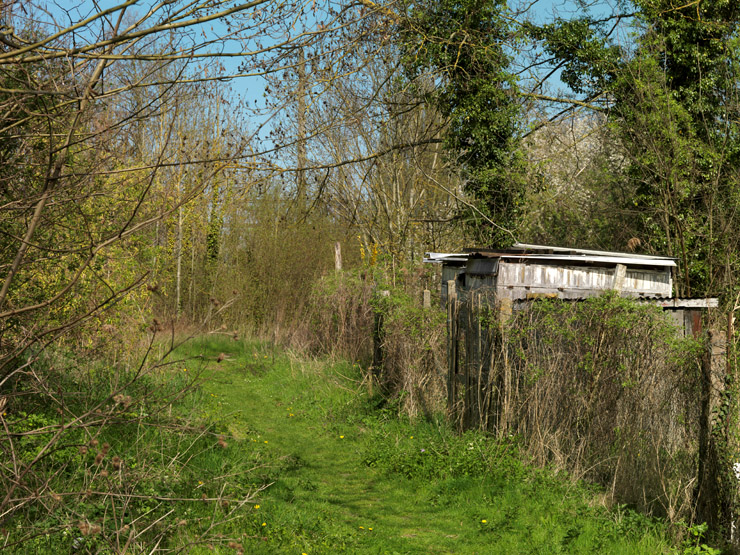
x=462, y=44
x=671, y=97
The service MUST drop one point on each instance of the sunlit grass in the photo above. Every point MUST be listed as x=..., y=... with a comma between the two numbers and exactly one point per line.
x=347, y=474
x=278, y=454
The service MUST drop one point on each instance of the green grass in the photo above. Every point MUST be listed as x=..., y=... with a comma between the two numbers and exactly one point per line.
x=347, y=475
x=275, y=455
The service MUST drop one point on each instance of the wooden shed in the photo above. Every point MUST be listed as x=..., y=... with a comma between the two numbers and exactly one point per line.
x=614, y=407
x=525, y=272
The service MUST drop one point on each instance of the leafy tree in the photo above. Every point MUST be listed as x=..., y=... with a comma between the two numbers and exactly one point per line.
x=461, y=42
x=671, y=100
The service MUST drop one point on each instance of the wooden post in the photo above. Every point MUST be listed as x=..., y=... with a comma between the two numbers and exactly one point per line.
x=620, y=272
x=505, y=309
x=426, y=301
x=338, y=256
x=451, y=347
x=378, y=338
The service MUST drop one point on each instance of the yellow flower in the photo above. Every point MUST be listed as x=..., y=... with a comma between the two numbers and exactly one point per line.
x=264, y=524
x=362, y=527
x=265, y=441
x=370, y=529
x=256, y=506
x=484, y=521
x=341, y=437
x=412, y=437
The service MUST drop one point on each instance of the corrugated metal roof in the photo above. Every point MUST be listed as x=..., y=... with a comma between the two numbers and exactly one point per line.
x=664, y=302
x=439, y=257
x=557, y=255
x=668, y=302
x=596, y=259
x=567, y=250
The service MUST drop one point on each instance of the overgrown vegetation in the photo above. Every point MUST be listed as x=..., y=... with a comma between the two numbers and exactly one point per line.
x=142, y=197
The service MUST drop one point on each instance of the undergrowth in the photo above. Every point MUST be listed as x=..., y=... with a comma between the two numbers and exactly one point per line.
x=275, y=454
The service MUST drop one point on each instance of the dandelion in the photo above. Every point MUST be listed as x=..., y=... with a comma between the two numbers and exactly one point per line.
x=264, y=524
x=341, y=437
x=412, y=437
x=484, y=521
x=362, y=527
x=370, y=529
x=256, y=506
x=265, y=441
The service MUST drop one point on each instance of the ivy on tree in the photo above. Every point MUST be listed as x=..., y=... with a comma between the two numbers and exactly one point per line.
x=460, y=43
x=672, y=100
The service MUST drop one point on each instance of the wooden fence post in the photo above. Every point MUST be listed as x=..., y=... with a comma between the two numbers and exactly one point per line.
x=426, y=301
x=505, y=307
x=378, y=337
x=337, y=256
x=451, y=347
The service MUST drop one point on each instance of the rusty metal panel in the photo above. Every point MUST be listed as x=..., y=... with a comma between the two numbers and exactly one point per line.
x=692, y=322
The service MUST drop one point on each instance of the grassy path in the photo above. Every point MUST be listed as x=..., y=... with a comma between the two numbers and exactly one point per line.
x=313, y=438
